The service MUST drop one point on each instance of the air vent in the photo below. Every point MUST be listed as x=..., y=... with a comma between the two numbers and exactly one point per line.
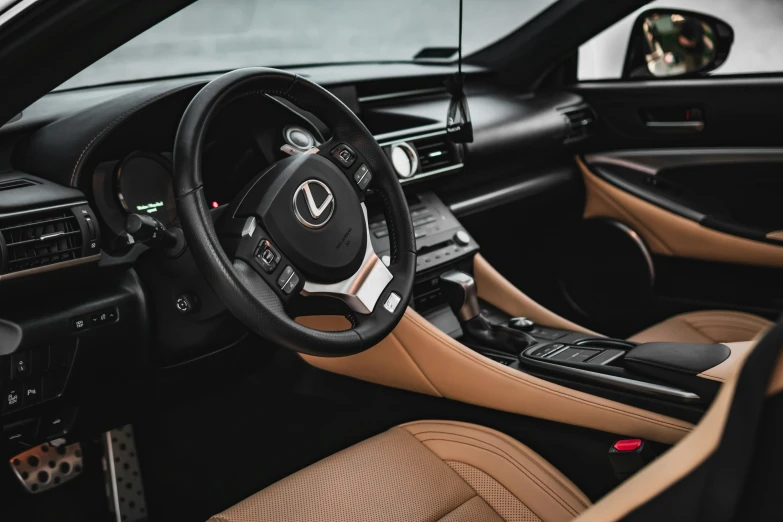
x=580, y=121
x=40, y=239
x=16, y=183
x=434, y=155
x=424, y=155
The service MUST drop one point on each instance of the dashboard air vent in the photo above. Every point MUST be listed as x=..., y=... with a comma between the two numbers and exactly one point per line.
x=423, y=155
x=580, y=121
x=16, y=183
x=40, y=239
x=434, y=155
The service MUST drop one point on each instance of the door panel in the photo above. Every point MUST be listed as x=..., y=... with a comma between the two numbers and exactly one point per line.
x=705, y=203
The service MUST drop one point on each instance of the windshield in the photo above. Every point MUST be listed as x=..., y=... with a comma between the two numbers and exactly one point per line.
x=220, y=35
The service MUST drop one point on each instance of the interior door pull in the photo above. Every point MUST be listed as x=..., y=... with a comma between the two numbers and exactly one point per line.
x=675, y=126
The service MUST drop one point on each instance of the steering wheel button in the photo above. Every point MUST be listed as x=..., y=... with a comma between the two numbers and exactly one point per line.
x=285, y=277
x=267, y=256
x=362, y=177
x=288, y=284
x=344, y=155
x=392, y=302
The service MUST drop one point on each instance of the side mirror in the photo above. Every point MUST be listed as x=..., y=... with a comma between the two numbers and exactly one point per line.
x=669, y=43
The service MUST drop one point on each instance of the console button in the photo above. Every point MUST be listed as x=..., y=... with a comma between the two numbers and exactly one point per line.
x=186, y=303
x=575, y=355
x=12, y=399
x=111, y=315
x=20, y=365
x=32, y=392
x=462, y=238
x=381, y=233
x=267, y=256
x=362, y=177
x=423, y=221
x=344, y=155
x=78, y=323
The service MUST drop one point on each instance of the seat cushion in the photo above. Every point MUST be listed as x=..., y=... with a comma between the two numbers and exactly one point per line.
x=422, y=471
x=709, y=326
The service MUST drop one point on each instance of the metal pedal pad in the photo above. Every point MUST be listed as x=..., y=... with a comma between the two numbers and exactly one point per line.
x=47, y=466
x=124, y=489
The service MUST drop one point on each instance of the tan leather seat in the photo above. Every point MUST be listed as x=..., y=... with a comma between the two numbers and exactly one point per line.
x=422, y=471
x=710, y=326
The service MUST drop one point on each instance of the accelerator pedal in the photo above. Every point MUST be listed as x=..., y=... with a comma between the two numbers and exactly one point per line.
x=123, y=476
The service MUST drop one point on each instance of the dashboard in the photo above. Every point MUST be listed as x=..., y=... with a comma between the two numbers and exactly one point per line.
x=76, y=164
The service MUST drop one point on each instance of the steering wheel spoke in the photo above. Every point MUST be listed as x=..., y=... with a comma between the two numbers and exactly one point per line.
x=362, y=290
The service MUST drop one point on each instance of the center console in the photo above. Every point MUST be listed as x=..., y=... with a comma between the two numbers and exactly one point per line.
x=446, y=295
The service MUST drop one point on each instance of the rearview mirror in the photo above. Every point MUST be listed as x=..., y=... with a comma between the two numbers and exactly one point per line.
x=675, y=43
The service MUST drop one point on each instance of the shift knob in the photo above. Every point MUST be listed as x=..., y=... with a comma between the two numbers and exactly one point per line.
x=459, y=289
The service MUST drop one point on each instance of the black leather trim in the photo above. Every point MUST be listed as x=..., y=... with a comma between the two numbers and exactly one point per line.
x=60, y=150
x=678, y=357
x=242, y=290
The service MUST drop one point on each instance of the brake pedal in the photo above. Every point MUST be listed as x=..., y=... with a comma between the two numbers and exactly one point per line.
x=121, y=468
x=47, y=466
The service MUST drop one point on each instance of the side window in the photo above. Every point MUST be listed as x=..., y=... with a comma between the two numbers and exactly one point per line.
x=756, y=23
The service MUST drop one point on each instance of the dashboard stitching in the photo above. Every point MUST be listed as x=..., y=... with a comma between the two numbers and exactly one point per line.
x=74, y=177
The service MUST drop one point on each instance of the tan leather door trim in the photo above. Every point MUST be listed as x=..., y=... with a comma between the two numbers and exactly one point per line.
x=498, y=291
x=419, y=357
x=669, y=234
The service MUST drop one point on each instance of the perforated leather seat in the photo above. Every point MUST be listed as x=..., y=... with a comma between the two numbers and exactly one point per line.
x=710, y=326
x=422, y=471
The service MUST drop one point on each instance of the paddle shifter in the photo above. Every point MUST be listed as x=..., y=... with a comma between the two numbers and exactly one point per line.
x=459, y=289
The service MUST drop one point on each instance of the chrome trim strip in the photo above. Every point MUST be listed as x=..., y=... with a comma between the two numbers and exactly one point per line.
x=363, y=289
x=401, y=94
x=49, y=268
x=42, y=209
x=249, y=228
x=432, y=173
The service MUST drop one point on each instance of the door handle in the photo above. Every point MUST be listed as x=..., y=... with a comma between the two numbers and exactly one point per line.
x=675, y=126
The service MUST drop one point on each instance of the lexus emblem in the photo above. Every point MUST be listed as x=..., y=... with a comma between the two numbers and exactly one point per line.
x=313, y=204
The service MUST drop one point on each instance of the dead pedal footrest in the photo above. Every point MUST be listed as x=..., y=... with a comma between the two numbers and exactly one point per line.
x=47, y=466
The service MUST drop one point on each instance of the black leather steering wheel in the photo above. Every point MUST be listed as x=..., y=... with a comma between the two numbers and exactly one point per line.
x=296, y=237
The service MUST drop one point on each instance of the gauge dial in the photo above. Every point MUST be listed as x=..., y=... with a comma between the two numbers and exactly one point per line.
x=144, y=186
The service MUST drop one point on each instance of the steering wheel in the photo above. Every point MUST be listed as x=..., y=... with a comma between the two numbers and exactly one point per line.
x=296, y=238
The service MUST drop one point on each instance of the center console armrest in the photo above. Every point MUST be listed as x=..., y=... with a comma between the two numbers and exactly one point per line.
x=691, y=359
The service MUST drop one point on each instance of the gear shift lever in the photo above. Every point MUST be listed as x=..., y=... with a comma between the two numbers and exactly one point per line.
x=460, y=291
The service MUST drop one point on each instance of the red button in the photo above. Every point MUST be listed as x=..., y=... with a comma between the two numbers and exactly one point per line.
x=628, y=444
